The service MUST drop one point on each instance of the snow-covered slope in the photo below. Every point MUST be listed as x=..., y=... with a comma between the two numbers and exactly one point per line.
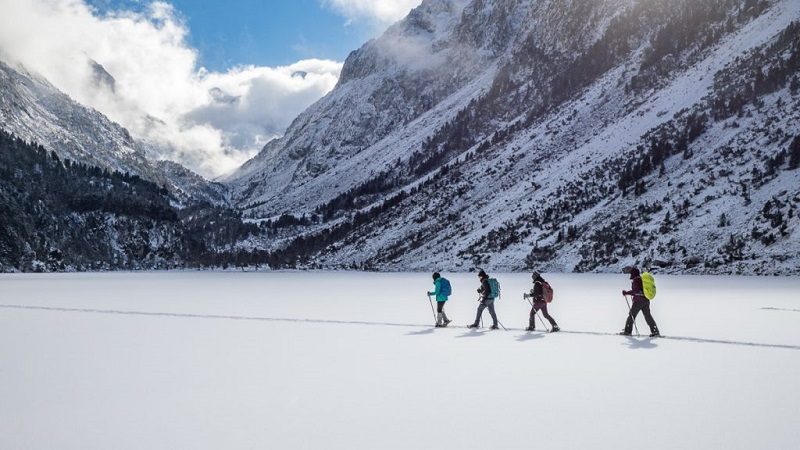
x=384, y=88
x=189, y=186
x=34, y=110
x=575, y=135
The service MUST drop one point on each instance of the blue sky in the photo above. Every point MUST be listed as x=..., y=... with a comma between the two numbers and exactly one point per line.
x=264, y=33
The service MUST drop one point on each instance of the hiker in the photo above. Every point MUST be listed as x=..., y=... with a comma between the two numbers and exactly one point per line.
x=486, y=301
x=640, y=303
x=539, y=304
x=442, y=291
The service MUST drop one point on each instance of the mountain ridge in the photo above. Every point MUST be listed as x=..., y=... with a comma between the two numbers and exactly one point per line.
x=583, y=111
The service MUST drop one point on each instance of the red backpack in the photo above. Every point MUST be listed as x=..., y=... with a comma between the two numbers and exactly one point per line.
x=547, y=292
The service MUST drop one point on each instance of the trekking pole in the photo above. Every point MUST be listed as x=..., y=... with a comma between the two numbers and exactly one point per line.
x=432, y=312
x=630, y=314
x=479, y=300
x=535, y=314
x=498, y=320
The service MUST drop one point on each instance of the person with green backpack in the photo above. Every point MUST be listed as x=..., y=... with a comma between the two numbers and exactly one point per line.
x=442, y=291
x=489, y=291
x=641, y=301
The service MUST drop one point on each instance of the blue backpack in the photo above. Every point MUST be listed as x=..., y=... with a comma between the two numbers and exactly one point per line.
x=445, y=288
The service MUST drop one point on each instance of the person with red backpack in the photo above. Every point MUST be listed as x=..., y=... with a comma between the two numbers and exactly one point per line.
x=640, y=303
x=540, y=300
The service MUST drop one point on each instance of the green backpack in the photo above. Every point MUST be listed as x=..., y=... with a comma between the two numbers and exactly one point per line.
x=649, y=285
x=494, y=288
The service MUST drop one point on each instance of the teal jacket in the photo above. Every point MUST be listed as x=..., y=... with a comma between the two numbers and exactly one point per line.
x=438, y=289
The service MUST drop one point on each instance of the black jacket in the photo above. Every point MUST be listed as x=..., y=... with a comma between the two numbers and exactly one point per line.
x=637, y=290
x=485, y=290
x=538, y=291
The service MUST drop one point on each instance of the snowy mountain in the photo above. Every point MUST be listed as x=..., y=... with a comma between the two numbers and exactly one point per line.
x=565, y=135
x=34, y=110
x=62, y=215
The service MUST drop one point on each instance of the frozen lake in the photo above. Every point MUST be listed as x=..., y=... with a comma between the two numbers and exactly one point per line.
x=206, y=360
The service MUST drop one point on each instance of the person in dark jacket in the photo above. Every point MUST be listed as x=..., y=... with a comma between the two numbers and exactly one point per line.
x=486, y=301
x=441, y=298
x=640, y=303
x=539, y=304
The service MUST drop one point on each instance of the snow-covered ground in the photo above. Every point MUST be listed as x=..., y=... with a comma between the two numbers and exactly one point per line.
x=201, y=360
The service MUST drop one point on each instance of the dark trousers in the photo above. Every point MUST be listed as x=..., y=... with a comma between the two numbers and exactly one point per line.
x=484, y=305
x=441, y=317
x=644, y=307
x=541, y=306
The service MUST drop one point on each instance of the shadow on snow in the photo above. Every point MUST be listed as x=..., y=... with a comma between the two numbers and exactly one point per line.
x=770, y=308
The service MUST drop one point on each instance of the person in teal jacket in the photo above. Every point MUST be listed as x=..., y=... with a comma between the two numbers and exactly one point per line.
x=442, y=291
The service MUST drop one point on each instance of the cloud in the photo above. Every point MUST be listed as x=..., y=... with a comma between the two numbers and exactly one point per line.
x=384, y=12
x=137, y=68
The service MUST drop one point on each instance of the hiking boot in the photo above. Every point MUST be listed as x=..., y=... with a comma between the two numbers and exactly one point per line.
x=474, y=325
x=655, y=333
x=555, y=329
x=438, y=325
x=530, y=329
x=624, y=333
x=447, y=322
x=495, y=327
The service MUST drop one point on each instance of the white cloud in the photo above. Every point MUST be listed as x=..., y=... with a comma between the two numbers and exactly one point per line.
x=382, y=11
x=210, y=121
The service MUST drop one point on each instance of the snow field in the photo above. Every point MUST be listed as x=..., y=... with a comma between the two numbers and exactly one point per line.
x=205, y=360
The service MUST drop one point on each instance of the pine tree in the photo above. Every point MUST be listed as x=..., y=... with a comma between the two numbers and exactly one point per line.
x=723, y=221
x=794, y=154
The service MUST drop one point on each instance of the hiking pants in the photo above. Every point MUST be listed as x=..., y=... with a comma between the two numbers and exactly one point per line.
x=484, y=305
x=441, y=316
x=541, y=306
x=644, y=307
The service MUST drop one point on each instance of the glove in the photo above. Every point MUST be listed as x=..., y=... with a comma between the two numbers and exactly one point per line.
x=431, y=293
x=624, y=292
x=478, y=290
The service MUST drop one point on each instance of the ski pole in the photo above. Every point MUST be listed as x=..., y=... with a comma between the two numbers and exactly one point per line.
x=630, y=314
x=432, y=312
x=543, y=324
x=479, y=300
x=535, y=315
